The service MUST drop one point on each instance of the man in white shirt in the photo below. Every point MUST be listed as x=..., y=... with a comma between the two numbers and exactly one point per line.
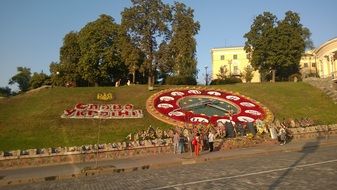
x=211, y=140
x=175, y=142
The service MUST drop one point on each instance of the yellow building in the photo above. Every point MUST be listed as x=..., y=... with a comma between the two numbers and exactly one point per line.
x=234, y=60
x=321, y=60
x=308, y=64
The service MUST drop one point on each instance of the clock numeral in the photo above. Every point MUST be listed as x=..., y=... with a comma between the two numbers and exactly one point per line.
x=214, y=93
x=235, y=98
x=165, y=105
x=176, y=113
x=247, y=104
x=253, y=112
x=194, y=92
x=176, y=93
x=166, y=98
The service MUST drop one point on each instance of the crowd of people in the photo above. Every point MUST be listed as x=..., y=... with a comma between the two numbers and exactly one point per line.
x=197, y=138
x=193, y=142
x=201, y=138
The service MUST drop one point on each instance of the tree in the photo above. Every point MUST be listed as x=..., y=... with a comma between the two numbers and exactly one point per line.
x=57, y=76
x=222, y=74
x=165, y=59
x=288, y=46
x=248, y=73
x=146, y=23
x=5, y=91
x=100, y=60
x=132, y=56
x=183, y=43
x=276, y=46
x=70, y=55
x=22, y=78
x=38, y=79
x=258, y=41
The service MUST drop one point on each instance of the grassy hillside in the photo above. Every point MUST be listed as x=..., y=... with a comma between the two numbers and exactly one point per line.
x=33, y=120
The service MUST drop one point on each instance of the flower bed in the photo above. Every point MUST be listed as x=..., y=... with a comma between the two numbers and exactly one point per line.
x=103, y=111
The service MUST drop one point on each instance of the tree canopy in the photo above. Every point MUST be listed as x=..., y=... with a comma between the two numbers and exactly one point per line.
x=38, y=80
x=277, y=45
x=146, y=23
x=70, y=55
x=153, y=38
x=22, y=78
x=183, y=43
x=100, y=58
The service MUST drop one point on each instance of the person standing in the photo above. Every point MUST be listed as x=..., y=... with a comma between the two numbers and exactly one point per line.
x=205, y=141
x=211, y=140
x=176, y=142
x=196, y=143
x=181, y=143
x=282, y=134
x=189, y=142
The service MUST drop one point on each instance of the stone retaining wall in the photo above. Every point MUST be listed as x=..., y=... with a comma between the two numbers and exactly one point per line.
x=53, y=156
x=313, y=131
x=57, y=158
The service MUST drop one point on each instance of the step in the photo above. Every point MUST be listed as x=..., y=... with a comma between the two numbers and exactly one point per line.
x=329, y=93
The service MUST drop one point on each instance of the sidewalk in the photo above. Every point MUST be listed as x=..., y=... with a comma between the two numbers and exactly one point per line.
x=29, y=175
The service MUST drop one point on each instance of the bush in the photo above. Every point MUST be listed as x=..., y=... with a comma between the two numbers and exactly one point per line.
x=293, y=76
x=180, y=80
x=231, y=80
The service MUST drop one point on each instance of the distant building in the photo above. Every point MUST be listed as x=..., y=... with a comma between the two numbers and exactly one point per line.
x=308, y=64
x=325, y=57
x=321, y=61
x=233, y=59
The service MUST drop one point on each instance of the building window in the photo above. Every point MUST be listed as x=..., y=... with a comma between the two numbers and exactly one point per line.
x=235, y=56
x=222, y=57
x=236, y=70
x=305, y=64
x=313, y=64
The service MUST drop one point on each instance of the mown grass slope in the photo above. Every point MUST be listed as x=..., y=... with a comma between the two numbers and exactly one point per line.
x=32, y=120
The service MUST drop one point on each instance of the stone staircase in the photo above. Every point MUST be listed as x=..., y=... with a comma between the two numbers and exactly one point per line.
x=327, y=85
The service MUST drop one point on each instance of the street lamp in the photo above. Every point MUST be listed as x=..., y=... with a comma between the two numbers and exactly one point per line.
x=230, y=67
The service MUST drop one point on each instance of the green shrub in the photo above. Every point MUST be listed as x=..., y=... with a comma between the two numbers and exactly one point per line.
x=293, y=76
x=231, y=80
x=180, y=80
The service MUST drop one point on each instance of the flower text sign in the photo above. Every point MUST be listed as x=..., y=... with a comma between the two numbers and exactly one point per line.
x=102, y=111
x=104, y=96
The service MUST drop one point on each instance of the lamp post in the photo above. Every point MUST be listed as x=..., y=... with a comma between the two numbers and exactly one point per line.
x=206, y=76
x=230, y=67
x=98, y=146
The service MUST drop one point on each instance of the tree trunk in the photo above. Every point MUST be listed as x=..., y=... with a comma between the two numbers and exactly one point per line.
x=150, y=82
x=134, y=77
x=273, y=75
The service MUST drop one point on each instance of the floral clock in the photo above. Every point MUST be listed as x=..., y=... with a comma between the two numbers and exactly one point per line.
x=185, y=106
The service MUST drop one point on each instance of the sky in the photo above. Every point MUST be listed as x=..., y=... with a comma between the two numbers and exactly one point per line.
x=32, y=31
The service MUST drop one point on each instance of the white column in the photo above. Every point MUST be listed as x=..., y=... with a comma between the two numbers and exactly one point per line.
x=321, y=68
x=333, y=67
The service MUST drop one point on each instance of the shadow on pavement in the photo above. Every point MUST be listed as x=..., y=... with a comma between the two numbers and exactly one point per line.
x=308, y=148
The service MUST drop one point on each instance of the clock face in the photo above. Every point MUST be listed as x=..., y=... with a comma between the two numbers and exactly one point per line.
x=183, y=106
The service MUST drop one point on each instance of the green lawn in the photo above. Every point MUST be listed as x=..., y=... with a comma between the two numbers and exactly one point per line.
x=33, y=120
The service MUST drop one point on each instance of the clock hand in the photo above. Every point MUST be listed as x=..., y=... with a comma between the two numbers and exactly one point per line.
x=217, y=107
x=195, y=105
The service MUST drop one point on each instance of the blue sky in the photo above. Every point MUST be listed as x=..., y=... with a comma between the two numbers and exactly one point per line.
x=32, y=31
